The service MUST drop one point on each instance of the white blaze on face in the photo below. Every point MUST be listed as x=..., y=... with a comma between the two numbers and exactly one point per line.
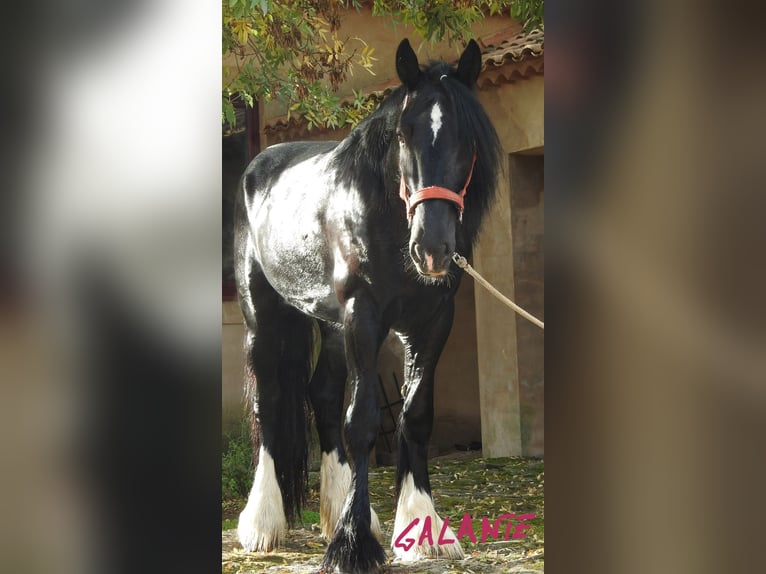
x=436, y=121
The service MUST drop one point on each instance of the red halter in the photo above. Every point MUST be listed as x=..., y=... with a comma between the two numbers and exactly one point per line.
x=434, y=191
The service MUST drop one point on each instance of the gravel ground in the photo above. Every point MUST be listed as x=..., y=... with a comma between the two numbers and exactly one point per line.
x=461, y=484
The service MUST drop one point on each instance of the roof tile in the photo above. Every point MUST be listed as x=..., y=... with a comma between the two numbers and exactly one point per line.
x=515, y=49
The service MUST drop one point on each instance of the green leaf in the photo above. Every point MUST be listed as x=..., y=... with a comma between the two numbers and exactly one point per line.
x=229, y=115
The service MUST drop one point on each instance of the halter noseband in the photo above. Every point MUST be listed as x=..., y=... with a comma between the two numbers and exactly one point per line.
x=433, y=191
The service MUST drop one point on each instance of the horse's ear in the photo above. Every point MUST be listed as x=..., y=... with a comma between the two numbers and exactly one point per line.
x=407, y=64
x=469, y=67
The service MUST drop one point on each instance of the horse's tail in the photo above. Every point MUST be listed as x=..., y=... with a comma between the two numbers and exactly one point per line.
x=284, y=408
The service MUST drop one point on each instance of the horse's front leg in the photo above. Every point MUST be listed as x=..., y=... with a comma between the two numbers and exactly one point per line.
x=353, y=547
x=423, y=346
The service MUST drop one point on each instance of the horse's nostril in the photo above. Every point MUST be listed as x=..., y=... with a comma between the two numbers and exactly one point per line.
x=416, y=252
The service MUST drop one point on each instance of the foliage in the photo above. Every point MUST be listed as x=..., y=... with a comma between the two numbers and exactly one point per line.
x=291, y=50
x=310, y=517
x=435, y=20
x=237, y=467
x=229, y=523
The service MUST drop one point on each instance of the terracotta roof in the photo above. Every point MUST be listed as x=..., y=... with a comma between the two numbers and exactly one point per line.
x=514, y=49
x=507, y=56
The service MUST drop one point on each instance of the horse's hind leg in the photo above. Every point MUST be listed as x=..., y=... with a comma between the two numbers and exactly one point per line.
x=279, y=352
x=327, y=392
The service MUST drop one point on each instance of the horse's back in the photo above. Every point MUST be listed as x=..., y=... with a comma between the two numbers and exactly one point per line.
x=271, y=163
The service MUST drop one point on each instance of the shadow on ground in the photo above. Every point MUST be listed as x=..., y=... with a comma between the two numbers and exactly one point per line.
x=461, y=484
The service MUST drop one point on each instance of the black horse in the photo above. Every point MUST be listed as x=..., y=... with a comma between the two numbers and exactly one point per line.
x=336, y=244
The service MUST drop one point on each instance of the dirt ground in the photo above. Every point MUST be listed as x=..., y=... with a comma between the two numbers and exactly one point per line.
x=461, y=483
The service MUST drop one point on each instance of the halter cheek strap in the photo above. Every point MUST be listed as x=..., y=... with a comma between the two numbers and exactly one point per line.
x=434, y=192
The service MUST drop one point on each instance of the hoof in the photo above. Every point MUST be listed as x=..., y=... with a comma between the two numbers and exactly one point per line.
x=353, y=551
x=328, y=527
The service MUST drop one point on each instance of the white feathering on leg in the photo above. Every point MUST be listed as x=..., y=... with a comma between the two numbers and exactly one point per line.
x=415, y=503
x=375, y=525
x=334, y=485
x=262, y=524
x=334, y=482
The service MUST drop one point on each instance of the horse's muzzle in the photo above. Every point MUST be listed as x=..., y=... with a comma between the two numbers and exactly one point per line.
x=430, y=263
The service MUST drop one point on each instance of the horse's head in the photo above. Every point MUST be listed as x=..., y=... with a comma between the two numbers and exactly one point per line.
x=436, y=159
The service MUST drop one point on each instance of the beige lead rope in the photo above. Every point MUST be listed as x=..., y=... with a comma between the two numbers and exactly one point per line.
x=463, y=264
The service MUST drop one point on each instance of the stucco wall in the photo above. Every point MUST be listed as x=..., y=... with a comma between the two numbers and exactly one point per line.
x=527, y=219
x=511, y=361
x=518, y=113
x=457, y=417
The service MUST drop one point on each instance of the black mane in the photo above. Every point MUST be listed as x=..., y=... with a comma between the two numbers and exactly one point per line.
x=365, y=158
x=362, y=158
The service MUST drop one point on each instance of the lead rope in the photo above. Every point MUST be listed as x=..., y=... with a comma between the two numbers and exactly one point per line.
x=463, y=264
